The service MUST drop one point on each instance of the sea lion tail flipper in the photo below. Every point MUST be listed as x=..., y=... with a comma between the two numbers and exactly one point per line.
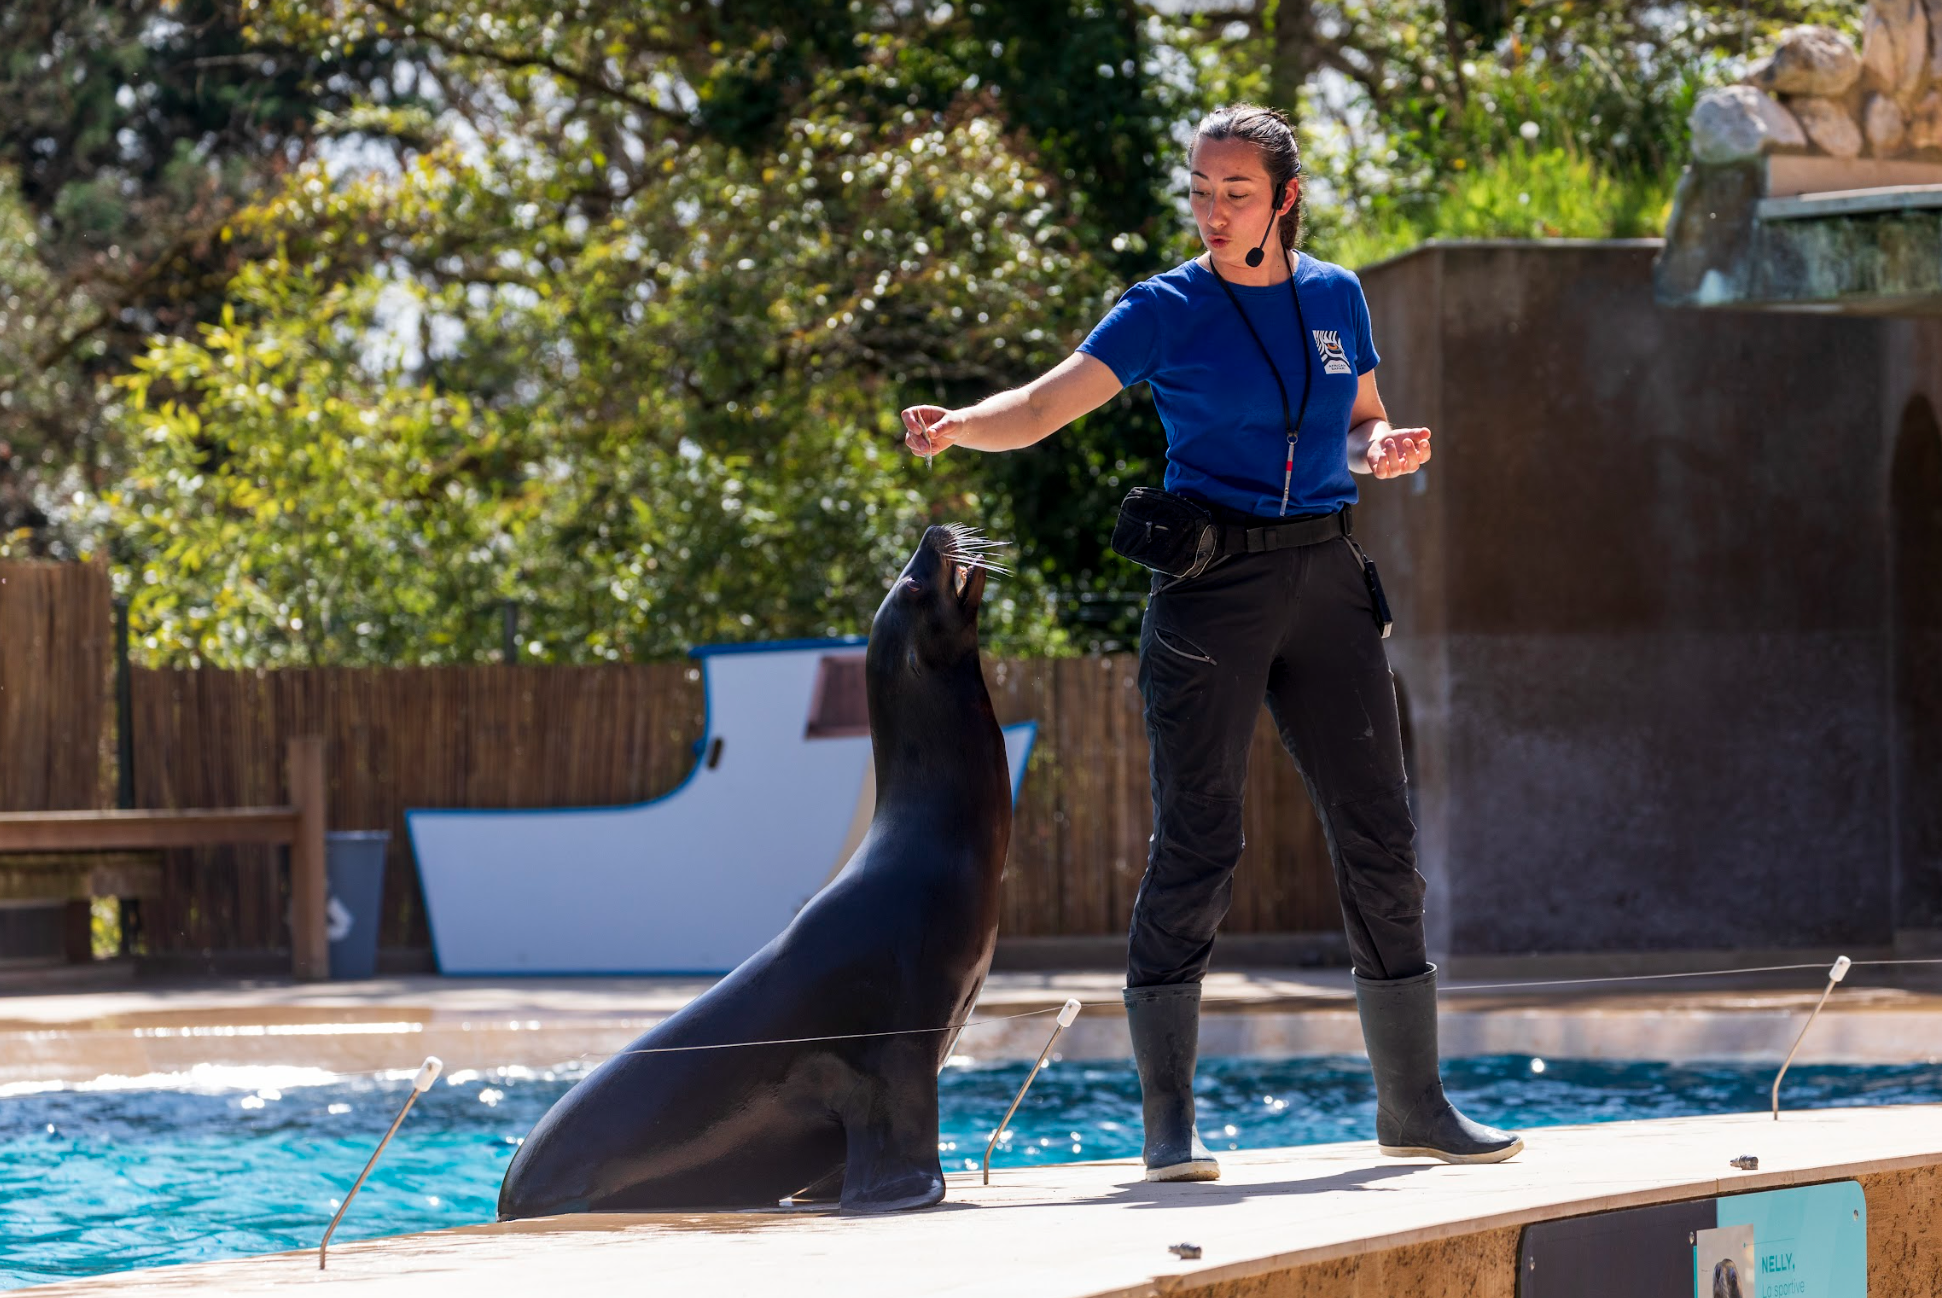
x=892, y=1162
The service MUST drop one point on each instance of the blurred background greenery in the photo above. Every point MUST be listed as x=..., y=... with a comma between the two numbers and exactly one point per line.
x=336, y=326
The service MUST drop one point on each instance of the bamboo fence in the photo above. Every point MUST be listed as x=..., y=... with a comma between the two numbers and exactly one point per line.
x=394, y=737
x=517, y=736
x=56, y=683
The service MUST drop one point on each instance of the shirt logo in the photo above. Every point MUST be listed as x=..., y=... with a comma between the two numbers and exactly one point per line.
x=1329, y=343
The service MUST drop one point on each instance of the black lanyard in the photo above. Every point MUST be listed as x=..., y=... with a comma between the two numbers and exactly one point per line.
x=1292, y=426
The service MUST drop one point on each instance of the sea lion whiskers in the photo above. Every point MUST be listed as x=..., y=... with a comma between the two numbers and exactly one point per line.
x=969, y=548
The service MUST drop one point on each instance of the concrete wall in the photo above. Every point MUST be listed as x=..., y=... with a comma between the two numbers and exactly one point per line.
x=1913, y=365
x=1644, y=609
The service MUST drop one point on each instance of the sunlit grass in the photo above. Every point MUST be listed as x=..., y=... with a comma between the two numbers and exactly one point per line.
x=1522, y=193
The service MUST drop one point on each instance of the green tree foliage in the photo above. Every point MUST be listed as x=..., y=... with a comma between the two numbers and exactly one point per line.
x=130, y=130
x=606, y=308
x=1418, y=113
x=1070, y=84
x=297, y=497
x=648, y=394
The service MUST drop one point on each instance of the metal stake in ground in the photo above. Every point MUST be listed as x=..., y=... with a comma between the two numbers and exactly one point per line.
x=427, y=1074
x=1835, y=974
x=1066, y=1015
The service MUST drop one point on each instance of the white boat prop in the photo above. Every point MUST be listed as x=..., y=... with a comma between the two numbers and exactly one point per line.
x=697, y=880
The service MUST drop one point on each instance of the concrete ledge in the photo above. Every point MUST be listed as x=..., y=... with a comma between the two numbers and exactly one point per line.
x=1850, y=202
x=1679, y=1035
x=1457, y=970
x=1792, y=174
x=1325, y=1220
x=540, y=1023
x=49, y=1057
x=1231, y=951
x=1733, y=243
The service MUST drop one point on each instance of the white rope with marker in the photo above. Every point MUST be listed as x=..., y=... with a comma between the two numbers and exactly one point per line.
x=427, y=1074
x=1068, y=1012
x=958, y=1028
x=838, y=1036
x=1638, y=978
x=1835, y=974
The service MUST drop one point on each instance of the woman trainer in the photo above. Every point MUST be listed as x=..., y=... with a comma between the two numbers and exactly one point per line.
x=1262, y=368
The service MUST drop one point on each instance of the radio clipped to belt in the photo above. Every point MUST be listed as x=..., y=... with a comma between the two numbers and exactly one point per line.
x=1378, y=603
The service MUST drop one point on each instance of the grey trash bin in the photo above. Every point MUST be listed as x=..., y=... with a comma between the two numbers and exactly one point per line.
x=354, y=870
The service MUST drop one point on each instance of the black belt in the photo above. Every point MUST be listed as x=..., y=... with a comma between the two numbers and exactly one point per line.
x=1243, y=538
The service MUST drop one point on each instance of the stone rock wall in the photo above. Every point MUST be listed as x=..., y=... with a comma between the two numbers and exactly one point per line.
x=1816, y=95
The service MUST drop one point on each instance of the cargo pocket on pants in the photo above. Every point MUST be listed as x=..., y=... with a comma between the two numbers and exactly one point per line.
x=1174, y=642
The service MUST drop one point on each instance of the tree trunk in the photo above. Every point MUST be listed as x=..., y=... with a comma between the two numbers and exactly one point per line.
x=1291, y=38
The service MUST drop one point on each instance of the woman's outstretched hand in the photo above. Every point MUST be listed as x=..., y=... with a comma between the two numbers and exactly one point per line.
x=929, y=429
x=1399, y=451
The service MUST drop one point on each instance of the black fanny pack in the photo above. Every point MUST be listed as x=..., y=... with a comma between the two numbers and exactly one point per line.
x=1179, y=537
x=1167, y=533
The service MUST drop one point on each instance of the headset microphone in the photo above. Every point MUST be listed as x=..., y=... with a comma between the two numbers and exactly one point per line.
x=1254, y=254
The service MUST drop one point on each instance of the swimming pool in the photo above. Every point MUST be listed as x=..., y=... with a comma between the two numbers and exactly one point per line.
x=225, y=1162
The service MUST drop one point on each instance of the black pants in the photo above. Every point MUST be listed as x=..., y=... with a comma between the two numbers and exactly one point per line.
x=1294, y=627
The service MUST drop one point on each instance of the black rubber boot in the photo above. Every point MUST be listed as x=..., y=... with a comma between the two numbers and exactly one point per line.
x=1413, y=1117
x=1165, y=1023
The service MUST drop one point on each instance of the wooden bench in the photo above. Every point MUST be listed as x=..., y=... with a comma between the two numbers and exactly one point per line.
x=66, y=884
x=299, y=826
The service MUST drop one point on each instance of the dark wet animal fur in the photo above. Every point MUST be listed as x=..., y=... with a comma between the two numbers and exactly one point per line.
x=900, y=939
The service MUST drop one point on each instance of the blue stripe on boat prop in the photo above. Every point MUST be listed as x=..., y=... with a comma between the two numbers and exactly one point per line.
x=694, y=881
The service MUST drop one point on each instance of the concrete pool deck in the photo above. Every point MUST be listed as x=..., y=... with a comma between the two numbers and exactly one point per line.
x=81, y=1033
x=1328, y=1221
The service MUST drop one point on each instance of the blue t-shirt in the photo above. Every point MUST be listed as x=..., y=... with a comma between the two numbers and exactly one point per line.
x=1226, y=441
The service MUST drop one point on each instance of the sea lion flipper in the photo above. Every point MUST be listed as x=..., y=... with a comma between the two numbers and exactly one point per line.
x=892, y=1161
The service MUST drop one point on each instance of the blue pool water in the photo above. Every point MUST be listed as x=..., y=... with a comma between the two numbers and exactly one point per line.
x=229, y=1162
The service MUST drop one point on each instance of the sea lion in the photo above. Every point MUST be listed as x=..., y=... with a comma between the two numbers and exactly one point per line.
x=897, y=944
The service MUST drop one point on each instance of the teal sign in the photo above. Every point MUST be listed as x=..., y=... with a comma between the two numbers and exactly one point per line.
x=1810, y=1241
